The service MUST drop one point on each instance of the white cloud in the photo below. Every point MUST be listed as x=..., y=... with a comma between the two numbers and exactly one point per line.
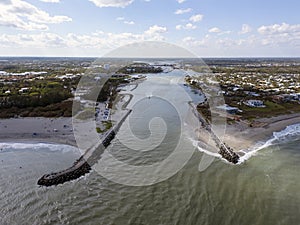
x=188, y=26
x=51, y=1
x=153, y=30
x=181, y=1
x=97, y=41
x=33, y=40
x=280, y=35
x=275, y=44
x=182, y=11
x=215, y=30
x=196, y=18
x=188, y=40
x=224, y=32
x=22, y=15
x=279, y=29
x=129, y=22
x=193, y=42
x=245, y=29
x=125, y=21
x=112, y=3
x=178, y=27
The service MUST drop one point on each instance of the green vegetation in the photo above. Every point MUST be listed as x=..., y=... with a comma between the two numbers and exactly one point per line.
x=48, y=91
x=107, y=125
x=275, y=83
x=271, y=109
x=205, y=112
x=62, y=109
x=38, y=98
x=140, y=68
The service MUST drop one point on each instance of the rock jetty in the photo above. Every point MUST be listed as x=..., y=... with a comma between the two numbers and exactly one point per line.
x=83, y=165
x=225, y=151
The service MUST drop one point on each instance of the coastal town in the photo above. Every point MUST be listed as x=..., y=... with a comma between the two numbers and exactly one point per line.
x=253, y=91
x=149, y=112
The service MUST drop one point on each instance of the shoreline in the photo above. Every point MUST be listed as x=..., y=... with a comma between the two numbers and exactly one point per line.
x=37, y=130
x=237, y=135
x=241, y=137
x=46, y=141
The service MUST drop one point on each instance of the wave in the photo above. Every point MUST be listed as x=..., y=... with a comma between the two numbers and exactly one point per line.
x=37, y=146
x=196, y=144
x=280, y=137
x=277, y=138
x=290, y=131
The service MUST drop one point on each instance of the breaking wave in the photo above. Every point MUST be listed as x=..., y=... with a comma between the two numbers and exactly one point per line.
x=37, y=146
x=288, y=134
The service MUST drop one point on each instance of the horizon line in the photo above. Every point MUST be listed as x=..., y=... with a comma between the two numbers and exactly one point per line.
x=206, y=57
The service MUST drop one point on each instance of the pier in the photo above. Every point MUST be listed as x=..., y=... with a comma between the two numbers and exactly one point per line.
x=225, y=151
x=83, y=165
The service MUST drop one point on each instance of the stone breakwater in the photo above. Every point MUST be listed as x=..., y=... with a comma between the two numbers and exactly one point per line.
x=83, y=165
x=225, y=151
x=228, y=154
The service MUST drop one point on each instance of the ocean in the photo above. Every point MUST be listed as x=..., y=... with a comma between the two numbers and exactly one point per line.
x=263, y=189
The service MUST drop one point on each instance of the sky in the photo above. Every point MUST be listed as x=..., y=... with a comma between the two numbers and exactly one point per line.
x=207, y=28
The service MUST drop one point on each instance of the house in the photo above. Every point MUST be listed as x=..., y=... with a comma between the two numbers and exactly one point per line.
x=229, y=109
x=251, y=93
x=117, y=75
x=106, y=66
x=23, y=90
x=254, y=103
x=278, y=98
x=296, y=97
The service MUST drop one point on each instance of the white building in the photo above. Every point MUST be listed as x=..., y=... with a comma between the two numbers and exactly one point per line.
x=23, y=90
x=254, y=103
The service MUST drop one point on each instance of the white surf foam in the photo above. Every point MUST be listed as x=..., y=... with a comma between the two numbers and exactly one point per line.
x=37, y=146
x=278, y=137
x=196, y=144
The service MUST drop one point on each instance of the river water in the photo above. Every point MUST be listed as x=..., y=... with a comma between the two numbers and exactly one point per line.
x=262, y=190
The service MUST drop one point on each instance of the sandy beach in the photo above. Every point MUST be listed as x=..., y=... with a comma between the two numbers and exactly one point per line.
x=60, y=131
x=240, y=136
x=37, y=130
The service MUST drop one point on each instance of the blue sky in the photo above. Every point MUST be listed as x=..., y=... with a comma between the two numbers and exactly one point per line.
x=208, y=28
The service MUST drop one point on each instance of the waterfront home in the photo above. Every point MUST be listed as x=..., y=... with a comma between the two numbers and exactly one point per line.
x=23, y=90
x=254, y=103
x=229, y=109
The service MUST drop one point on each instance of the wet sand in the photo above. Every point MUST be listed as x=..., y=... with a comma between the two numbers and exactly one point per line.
x=60, y=131
x=240, y=136
x=37, y=130
x=52, y=130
